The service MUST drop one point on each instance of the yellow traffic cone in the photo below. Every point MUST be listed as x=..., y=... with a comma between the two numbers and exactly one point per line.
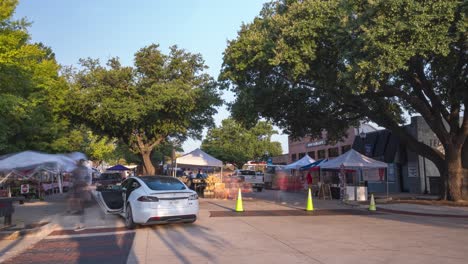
x=310, y=205
x=239, y=207
x=372, y=204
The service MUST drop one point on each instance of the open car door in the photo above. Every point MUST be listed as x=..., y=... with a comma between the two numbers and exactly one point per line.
x=110, y=200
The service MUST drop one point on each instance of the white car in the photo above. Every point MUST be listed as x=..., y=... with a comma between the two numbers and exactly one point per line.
x=150, y=200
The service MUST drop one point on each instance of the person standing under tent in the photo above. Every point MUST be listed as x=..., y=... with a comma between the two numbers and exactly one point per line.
x=309, y=180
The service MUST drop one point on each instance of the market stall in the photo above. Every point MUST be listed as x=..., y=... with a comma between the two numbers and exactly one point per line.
x=199, y=159
x=295, y=181
x=43, y=170
x=355, y=161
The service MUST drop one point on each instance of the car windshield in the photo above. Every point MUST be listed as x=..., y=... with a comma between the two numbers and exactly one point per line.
x=110, y=176
x=163, y=183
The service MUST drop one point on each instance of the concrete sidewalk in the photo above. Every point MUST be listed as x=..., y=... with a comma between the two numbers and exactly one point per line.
x=53, y=211
x=434, y=210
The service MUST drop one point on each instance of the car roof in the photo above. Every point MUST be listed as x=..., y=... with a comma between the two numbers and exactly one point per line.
x=152, y=177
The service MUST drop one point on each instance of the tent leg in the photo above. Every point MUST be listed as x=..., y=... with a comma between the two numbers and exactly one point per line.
x=386, y=176
x=59, y=181
x=221, y=174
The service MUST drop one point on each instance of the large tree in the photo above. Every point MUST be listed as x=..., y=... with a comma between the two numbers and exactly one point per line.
x=31, y=91
x=96, y=147
x=311, y=65
x=233, y=143
x=162, y=96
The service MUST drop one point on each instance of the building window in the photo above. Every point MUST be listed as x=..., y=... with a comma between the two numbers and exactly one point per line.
x=301, y=155
x=345, y=149
x=321, y=154
x=293, y=157
x=333, y=152
x=311, y=154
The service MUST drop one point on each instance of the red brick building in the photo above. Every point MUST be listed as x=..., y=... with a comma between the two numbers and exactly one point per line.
x=319, y=149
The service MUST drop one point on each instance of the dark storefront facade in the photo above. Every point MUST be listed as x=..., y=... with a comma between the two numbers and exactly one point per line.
x=407, y=171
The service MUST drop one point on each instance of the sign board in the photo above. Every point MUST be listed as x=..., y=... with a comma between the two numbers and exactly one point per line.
x=270, y=161
x=391, y=172
x=368, y=150
x=316, y=143
x=24, y=188
x=412, y=169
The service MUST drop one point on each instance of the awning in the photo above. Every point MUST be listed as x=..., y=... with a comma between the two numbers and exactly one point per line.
x=199, y=158
x=306, y=160
x=353, y=159
x=314, y=165
x=118, y=167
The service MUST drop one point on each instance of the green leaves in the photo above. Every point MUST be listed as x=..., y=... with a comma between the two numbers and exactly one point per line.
x=31, y=91
x=162, y=96
x=233, y=143
x=310, y=65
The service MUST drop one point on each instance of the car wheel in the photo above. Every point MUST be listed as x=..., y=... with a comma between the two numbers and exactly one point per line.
x=129, y=218
x=259, y=189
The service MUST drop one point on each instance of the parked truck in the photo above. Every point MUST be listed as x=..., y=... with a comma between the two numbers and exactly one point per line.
x=250, y=177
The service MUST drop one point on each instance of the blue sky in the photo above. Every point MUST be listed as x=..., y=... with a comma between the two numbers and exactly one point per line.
x=108, y=28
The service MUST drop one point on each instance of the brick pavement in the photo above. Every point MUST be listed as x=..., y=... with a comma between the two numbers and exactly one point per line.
x=78, y=250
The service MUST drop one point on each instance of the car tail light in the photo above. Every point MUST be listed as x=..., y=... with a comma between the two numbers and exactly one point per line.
x=193, y=197
x=148, y=199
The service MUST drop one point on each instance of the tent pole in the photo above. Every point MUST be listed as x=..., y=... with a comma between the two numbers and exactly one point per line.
x=59, y=181
x=221, y=173
x=174, y=171
x=386, y=176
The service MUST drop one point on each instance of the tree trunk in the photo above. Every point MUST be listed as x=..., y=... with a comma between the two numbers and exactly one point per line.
x=454, y=173
x=148, y=168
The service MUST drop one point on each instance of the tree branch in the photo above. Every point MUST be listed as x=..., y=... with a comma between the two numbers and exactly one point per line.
x=434, y=123
x=156, y=142
x=421, y=81
x=383, y=119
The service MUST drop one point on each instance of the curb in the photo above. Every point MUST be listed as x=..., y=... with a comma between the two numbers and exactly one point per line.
x=41, y=231
x=420, y=214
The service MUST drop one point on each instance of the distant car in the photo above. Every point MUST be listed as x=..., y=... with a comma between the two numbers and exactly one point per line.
x=250, y=176
x=150, y=200
x=107, y=179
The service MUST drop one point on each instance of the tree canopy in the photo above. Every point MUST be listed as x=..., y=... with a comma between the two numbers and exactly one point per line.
x=233, y=143
x=32, y=94
x=311, y=65
x=161, y=97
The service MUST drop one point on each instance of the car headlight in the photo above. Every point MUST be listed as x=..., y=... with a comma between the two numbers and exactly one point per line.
x=193, y=197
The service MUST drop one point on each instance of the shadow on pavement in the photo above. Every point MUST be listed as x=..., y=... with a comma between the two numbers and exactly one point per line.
x=66, y=245
x=187, y=242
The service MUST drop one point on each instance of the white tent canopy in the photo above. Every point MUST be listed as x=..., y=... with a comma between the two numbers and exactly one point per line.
x=306, y=160
x=35, y=161
x=199, y=158
x=353, y=159
x=28, y=159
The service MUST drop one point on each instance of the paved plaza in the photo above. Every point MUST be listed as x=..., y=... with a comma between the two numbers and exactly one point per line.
x=282, y=233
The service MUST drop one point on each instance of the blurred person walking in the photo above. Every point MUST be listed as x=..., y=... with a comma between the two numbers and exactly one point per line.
x=80, y=194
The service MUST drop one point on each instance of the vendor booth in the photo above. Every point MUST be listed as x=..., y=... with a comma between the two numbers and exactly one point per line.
x=199, y=159
x=31, y=174
x=47, y=171
x=295, y=180
x=357, y=165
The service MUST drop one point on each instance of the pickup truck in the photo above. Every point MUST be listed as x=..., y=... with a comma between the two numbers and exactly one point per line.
x=250, y=176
